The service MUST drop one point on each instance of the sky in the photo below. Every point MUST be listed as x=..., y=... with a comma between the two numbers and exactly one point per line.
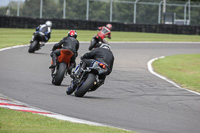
x=5, y=2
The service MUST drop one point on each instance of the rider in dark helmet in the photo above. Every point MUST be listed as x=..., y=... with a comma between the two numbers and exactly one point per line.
x=71, y=43
x=102, y=54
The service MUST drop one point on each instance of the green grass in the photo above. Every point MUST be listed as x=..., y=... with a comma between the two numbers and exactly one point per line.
x=22, y=122
x=183, y=69
x=11, y=37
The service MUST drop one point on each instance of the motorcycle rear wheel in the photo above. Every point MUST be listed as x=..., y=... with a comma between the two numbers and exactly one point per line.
x=86, y=85
x=33, y=46
x=59, y=76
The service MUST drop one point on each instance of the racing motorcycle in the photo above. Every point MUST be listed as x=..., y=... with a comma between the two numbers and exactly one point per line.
x=37, y=43
x=95, y=42
x=62, y=66
x=84, y=80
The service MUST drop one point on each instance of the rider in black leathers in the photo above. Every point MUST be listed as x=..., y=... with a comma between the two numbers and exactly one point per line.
x=46, y=29
x=102, y=54
x=71, y=43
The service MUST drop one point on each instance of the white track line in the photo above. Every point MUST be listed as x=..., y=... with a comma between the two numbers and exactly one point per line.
x=19, y=106
x=150, y=68
x=16, y=106
x=6, y=102
x=18, y=46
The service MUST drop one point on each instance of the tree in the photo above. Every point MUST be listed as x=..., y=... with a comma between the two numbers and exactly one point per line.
x=100, y=10
x=31, y=8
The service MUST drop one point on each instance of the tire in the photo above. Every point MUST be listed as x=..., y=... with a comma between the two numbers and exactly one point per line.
x=33, y=46
x=86, y=85
x=92, y=44
x=58, y=78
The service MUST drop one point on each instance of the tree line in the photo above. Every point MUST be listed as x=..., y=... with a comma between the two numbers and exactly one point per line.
x=76, y=9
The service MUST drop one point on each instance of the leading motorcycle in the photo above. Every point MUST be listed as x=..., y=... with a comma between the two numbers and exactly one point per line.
x=84, y=80
x=37, y=43
x=62, y=66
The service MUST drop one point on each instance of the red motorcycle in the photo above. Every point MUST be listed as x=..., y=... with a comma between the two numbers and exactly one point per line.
x=95, y=42
x=98, y=39
x=58, y=73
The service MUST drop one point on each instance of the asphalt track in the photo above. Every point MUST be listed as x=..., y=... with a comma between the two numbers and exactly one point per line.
x=131, y=98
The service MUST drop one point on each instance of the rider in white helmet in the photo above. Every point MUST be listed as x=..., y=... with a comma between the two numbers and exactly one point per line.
x=48, y=23
x=45, y=28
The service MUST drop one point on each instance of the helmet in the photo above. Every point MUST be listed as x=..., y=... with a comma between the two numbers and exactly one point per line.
x=48, y=23
x=109, y=26
x=106, y=46
x=72, y=33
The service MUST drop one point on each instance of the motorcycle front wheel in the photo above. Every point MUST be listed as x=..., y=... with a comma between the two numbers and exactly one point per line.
x=71, y=89
x=59, y=76
x=33, y=46
x=85, y=86
x=93, y=43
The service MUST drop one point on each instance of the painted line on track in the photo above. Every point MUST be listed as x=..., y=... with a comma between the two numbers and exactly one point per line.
x=150, y=68
x=18, y=46
x=19, y=106
x=9, y=103
x=6, y=102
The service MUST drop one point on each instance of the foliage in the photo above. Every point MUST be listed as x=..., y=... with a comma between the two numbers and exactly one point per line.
x=31, y=9
x=121, y=14
x=100, y=10
x=3, y=10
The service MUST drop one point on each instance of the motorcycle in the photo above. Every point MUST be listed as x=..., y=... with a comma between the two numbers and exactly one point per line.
x=62, y=66
x=37, y=43
x=95, y=42
x=84, y=80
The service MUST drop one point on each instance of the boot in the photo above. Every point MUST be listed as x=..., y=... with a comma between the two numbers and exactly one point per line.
x=33, y=37
x=80, y=69
x=72, y=65
x=54, y=63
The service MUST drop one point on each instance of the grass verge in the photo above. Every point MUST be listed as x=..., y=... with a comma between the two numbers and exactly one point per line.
x=22, y=122
x=182, y=69
x=11, y=37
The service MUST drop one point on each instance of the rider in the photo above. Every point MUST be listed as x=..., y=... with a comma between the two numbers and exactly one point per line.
x=71, y=43
x=104, y=31
x=102, y=54
x=45, y=28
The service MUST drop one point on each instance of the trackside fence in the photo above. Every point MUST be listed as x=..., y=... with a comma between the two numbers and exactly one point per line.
x=25, y=22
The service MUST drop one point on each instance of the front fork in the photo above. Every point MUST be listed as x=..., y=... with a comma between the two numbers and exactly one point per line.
x=53, y=72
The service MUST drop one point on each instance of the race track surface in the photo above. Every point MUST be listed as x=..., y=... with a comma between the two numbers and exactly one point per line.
x=131, y=98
